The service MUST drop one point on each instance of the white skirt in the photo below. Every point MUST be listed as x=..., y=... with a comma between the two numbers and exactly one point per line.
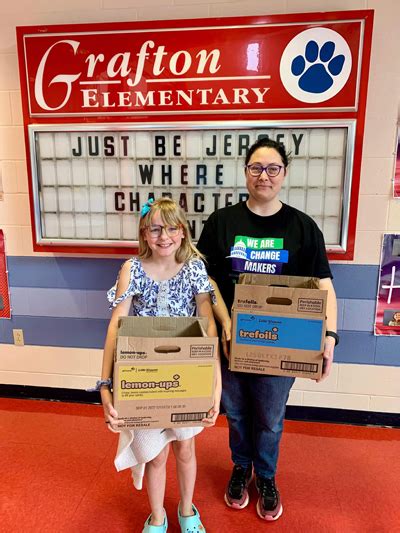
x=138, y=447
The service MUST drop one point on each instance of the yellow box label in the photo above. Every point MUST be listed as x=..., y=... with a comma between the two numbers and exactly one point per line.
x=165, y=381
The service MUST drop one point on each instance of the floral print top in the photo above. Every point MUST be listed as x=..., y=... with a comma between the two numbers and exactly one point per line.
x=172, y=297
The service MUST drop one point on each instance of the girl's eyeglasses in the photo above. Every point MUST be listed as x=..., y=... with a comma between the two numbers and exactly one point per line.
x=255, y=170
x=156, y=230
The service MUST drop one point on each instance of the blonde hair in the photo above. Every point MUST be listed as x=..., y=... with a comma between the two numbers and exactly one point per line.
x=171, y=215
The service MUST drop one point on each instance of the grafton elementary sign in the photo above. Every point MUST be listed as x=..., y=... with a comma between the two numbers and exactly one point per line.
x=117, y=113
x=297, y=63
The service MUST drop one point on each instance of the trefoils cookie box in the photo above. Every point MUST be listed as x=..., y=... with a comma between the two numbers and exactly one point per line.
x=278, y=326
x=164, y=371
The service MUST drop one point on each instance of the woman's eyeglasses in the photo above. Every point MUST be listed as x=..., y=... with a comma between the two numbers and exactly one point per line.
x=156, y=230
x=255, y=170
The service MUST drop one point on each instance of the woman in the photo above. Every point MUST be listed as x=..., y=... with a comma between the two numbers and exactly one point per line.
x=255, y=404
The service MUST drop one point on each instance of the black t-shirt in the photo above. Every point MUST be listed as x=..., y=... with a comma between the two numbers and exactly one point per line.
x=235, y=240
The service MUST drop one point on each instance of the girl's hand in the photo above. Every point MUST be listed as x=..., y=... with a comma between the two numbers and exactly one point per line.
x=212, y=415
x=226, y=337
x=110, y=414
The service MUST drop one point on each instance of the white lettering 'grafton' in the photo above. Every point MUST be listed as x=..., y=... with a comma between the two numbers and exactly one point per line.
x=119, y=65
x=68, y=79
x=182, y=55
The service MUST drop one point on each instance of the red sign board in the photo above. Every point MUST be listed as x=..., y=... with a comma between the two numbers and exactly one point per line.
x=301, y=70
x=281, y=65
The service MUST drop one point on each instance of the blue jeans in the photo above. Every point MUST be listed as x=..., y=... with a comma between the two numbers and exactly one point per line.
x=255, y=406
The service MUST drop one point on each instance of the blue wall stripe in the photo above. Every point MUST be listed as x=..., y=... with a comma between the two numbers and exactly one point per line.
x=50, y=331
x=62, y=302
x=359, y=315
x=350, y=281
x=63, y=272
x=354, y=315
x=97, y=305
x=30, y=301
x=19, y=301
x=355, y=281
x=340, y=312
x=358, y=347
x=388, y=351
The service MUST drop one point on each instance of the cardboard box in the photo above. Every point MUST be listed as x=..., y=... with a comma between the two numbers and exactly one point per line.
x=278, y=326
x=164, y=371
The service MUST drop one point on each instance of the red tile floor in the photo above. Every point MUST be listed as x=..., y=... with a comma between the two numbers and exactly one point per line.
x=57, y=476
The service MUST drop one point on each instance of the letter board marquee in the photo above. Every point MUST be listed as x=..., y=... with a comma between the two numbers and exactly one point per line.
x=97, y=98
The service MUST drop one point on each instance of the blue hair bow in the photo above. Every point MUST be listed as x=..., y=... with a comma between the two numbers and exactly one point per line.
x=146, y=207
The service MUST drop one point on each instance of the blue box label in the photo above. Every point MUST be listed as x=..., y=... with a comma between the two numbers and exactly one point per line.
x=279, y=332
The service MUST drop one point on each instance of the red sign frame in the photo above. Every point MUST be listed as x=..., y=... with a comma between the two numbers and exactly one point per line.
x=140, y=72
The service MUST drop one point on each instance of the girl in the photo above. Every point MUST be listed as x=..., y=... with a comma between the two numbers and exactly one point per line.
x=167, y=279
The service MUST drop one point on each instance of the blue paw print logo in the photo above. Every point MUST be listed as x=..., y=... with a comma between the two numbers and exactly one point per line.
x=315, y=65
x=318, y=68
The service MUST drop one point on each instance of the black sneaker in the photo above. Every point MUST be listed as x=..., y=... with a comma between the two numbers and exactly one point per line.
x=269, y=505
x=236, y=494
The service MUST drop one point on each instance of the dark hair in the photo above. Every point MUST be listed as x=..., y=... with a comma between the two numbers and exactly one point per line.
x=265, y=142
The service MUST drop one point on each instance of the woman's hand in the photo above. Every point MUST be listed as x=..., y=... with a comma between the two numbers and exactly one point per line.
x=328, y=358
x=110, y=414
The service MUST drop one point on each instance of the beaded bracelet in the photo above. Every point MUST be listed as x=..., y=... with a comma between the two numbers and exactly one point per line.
x=100, y=383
